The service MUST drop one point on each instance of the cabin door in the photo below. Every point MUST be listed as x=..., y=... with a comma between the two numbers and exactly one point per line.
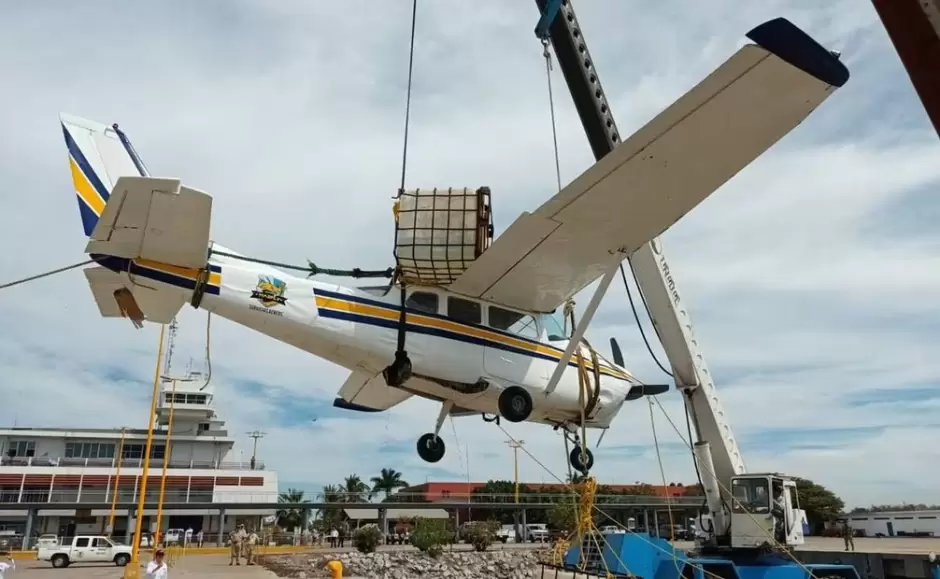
x=512, y=350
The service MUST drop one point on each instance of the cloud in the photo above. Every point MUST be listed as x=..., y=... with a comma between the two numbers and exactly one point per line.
x=811, y=276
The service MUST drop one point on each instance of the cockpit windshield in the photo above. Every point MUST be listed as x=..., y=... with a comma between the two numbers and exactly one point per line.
x=554, y=328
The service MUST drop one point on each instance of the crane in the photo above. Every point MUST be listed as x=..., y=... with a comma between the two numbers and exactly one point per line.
x=739, y=504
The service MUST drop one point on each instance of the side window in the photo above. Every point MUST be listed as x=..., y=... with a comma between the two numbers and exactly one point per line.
x=423, y=302
x=464, y=310
x=81, y=542
x=513, y=322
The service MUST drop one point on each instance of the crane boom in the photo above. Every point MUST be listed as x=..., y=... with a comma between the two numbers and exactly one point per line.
x=657, y=282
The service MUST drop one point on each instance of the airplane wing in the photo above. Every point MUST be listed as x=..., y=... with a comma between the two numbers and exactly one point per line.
x=659, y=174
x=368, y=392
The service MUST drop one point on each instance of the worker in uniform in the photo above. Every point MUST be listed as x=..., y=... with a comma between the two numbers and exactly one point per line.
x=848, y=535
x=236, y=540
x=250, y=542
x=779, y=509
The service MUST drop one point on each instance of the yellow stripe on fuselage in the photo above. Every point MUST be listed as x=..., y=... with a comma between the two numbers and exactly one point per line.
x=386, y=313
x=86, y=192
x=187, y=272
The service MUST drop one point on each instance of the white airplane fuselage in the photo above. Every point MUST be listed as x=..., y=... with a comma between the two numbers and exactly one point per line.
x=358, y=329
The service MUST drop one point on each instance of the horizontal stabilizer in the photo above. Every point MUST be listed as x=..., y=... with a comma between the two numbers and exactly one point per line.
x=366, y=392
x=118, y=296
x=154, y=219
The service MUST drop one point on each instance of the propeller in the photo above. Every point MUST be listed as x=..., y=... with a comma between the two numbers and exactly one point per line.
x=640, y=390
x=615, y=351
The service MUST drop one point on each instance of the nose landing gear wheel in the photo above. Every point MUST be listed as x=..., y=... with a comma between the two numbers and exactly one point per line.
x=431, y=447
x=576, y=462
x=515, y=404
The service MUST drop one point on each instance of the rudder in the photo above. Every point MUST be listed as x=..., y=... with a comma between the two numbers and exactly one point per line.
x=97, y=159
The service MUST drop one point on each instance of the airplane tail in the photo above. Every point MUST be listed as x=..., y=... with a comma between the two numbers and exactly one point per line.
x=134, y=221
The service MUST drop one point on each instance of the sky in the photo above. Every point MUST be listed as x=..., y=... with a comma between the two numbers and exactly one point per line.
x=811, y=276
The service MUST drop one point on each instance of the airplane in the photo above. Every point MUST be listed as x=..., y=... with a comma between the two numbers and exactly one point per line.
x=489, y=343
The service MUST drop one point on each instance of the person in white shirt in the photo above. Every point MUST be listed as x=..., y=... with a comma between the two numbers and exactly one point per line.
x=157, y=569
x=8, y=565
x=188, y=536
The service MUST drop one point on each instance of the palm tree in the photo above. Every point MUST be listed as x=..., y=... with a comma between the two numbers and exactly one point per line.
x=331, y=516
x=291, y=517
x=355, y=490
x=388, y=481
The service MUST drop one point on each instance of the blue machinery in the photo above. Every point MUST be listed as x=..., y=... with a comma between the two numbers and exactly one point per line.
x=639, y=554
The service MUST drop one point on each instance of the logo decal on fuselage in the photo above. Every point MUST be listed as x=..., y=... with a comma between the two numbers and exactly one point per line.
x=270, y=293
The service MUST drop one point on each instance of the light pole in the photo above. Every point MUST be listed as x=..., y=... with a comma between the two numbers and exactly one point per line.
x=515, y=445
x=257, y=434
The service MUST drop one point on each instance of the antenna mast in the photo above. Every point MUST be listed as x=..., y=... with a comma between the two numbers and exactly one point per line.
x=257, y=435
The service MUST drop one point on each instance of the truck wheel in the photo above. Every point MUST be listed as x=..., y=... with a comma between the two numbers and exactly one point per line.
x=121, y=559
x=60, y=560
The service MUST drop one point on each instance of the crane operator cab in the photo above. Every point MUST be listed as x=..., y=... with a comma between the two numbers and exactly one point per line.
x=765, y=512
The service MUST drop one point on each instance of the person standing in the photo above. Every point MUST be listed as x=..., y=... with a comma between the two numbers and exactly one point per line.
x=199, y=538
x=848, y=535
x=235, y=540
x=8, y=565
x=334, y=536
x=250, y=544
x=157, y=568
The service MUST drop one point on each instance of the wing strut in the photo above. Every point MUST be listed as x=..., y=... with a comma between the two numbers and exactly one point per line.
x=578, y=331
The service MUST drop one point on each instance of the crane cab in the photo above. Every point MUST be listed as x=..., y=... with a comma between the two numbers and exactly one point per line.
x=765, y=510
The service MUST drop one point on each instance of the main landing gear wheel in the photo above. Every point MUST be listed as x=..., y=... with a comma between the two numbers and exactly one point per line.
x=431, y=447
x=575, y=458
x=515, y=404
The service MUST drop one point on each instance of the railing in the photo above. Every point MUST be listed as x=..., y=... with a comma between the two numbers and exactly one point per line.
x=45, y=461
x=179, y=495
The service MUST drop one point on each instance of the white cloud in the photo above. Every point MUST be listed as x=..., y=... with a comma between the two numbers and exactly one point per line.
x=811, y=276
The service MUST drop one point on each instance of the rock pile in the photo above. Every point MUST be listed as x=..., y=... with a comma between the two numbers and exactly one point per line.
x=501, y=564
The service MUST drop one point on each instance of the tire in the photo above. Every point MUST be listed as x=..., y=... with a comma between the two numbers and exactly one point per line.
x=122, y=559
x=515, y=404
x=575, y=459
x=431, y=448
x=60, y=561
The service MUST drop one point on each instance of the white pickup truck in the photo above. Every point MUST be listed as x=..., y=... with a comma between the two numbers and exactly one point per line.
x=85, y=549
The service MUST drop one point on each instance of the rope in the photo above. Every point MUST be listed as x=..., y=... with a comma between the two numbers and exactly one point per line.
x=636, y=316
x=551, y=106
x=311, y=268
x=44, y=274
x=411, y=61
x=208, y=351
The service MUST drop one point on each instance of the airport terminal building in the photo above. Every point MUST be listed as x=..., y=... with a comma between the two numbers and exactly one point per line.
x=99, y=467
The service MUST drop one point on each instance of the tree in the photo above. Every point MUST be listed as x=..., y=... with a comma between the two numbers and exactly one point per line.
x=388, y=481
x=820, y=503
x=695, y=490
x=355, y=490
x=644, y=490
x=563, y=516
x=331, y=516
x=289, y=518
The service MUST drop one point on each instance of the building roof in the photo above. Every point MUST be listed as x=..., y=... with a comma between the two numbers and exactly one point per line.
x=435, y=490
x=373, y=514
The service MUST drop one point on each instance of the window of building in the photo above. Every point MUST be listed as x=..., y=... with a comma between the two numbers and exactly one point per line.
x=89, y=450
x=426, y=302
x=463, y=310
x=22, y=448
x=180, y=398
x=136, y=451
x=513, y=322
x=203, y=426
